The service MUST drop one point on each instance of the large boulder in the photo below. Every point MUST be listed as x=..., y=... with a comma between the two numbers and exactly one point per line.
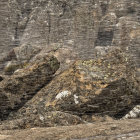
x=70, y=30
x=104, y=86
x=21, y=86
x=89, y=88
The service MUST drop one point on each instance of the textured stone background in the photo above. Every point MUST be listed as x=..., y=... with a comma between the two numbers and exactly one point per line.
x=77, y=29
x=70, y=30
x=81, y=25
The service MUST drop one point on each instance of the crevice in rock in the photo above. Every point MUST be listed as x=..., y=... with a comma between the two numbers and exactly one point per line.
x=1, y=78
x=16, y=37
x=104, y=8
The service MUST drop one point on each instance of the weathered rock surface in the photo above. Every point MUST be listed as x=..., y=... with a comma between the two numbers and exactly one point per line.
x=79, y=26
x=89, y=88
x=99, y=83
x=23, y=85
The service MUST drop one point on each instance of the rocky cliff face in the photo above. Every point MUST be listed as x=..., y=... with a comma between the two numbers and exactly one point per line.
x=65, y=62
x=81, y=26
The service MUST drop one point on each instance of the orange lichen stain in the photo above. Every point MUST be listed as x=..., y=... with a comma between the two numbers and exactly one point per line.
x=86, y=94
x=81, y=78
x=97, y=82
x=53, y=103
x=31, y=68
x=88, y=87
x=98, y=91
x=73, y=85
x=67, y=72
x=103, y=86
x=135, y=33
x=83, y=99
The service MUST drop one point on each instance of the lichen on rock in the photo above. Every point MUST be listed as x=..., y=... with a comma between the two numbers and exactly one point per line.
x=22, y=86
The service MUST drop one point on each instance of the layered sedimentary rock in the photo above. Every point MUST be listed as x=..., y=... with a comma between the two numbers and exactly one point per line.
x=81, y=35
x=24, y=84
x=80, y=26
x=88, y=89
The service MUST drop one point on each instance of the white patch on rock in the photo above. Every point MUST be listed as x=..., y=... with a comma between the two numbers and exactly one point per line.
x=134, y=113
x=118, y=25
x=41, y=118
x=18, y=71
x=63, y=94
x=9, y=64
x=113, y=14
x=70, y=41
x=13, y=38
x=75, y=99
x=134, y=27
